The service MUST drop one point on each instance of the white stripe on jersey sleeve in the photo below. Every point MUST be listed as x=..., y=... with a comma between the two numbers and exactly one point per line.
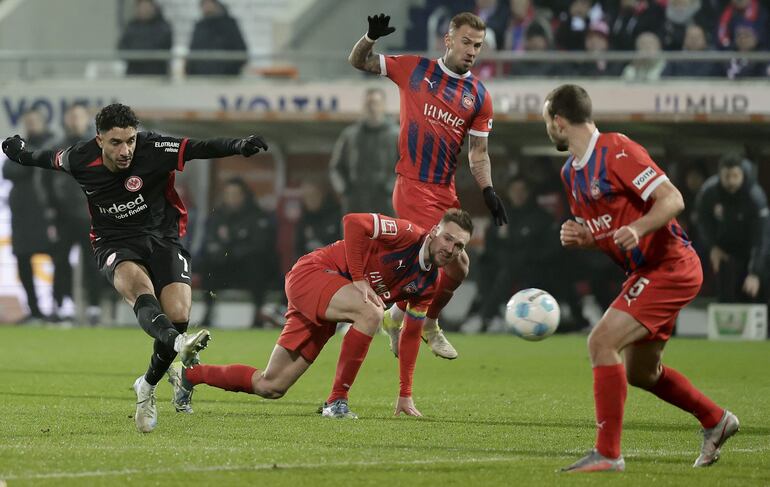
x=383, y=66
x=478, y=133
x=376, y=232
x=654, y=184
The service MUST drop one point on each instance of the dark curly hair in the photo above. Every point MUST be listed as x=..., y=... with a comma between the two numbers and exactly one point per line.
x=115, y=115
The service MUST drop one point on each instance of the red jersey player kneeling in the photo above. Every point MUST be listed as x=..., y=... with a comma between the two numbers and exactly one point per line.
x=625, y=206
x=381, y=260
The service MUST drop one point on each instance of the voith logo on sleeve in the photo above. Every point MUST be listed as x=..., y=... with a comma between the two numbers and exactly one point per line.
x=644, y=177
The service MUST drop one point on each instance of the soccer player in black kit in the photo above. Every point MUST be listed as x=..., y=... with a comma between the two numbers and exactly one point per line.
x=136, y=221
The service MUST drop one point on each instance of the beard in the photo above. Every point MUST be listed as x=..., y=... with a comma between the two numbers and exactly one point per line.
x=561, y=146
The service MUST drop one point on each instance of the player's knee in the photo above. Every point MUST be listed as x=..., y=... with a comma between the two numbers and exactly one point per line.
x=270, y=390
x=177, y=312
x=598, y=343
x=643, y=379
x=370, y=318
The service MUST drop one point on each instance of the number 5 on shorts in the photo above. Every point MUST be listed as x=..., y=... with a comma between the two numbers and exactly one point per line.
x=636, y=289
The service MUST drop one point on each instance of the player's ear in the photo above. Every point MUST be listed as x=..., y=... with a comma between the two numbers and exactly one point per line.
x=447, y=40
x=99, y=141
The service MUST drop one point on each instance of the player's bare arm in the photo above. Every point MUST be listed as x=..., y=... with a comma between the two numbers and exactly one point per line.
x=577, y=235
x=481, y=168
x=362, y=57
x=668, y=203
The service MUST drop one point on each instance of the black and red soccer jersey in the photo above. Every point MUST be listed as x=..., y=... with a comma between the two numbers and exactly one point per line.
x=387, y=252
x=438, y=109
x=610, y=187
x=138, y=201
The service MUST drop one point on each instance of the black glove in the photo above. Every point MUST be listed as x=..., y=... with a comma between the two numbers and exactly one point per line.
x=251, y=145
x=14, y=147
x=495, y=205
x=378, y=26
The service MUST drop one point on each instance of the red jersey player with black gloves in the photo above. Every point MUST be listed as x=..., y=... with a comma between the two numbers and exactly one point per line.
x=441, y=104
x=380, y=260
x=625, y=206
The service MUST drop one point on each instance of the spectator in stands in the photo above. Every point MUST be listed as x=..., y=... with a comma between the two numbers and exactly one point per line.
x=733, y=223
x=520, y=16
x=745, y=41
x=239, y=251
x=216, y=31
x=573, y=26
x=361, y=167
x=515, y=257
x=695, y=41
x=649, y=66
x=28, y=225
x=537, y=40
x=597, y=42
x=67, y=207
x=495, y=15
x=742, y=12
x=319, y=224
x=680, y=14
x=630, y=19
x=147, y=31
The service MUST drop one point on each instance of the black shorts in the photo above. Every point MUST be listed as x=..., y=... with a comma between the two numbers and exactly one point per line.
x=165, y=258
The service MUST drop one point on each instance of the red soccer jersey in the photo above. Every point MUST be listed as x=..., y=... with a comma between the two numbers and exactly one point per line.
x=438, y=108
x=387, y=252
x=610, y=187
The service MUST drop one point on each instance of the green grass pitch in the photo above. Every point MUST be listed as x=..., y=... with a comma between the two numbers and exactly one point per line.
x=507, y=412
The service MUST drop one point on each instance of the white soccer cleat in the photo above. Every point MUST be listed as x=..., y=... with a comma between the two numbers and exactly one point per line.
x=146, y=416
x=181, y=397
x=594, y=461
x=190, y=344
x=339, y=409
x=392, y=329
x=439, y=344
x=714, y=438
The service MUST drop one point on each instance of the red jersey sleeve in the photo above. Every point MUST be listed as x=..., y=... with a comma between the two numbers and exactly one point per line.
x=632, y=169
x=398, y=68
x=360, y=230
x=482, y=122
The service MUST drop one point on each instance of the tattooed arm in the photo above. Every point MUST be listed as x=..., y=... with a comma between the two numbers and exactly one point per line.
x=478, y=157
x=362, y=57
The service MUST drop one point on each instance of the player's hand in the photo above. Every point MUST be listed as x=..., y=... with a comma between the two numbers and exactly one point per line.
x=716, y=256
x=251, y=145
x=495, y=205
x=406, y=405
x=626, y=237
x=573, y=234
x=13, y=147
x=378, y=26
x=368, y=293
x=751, y=285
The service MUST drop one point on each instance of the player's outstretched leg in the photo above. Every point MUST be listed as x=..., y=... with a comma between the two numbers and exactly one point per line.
x=450, y=279
x=392, y=322
x=645, y=370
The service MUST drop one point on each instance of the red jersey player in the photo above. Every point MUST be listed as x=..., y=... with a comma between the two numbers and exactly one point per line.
x=625, y=206
x=441, y=104
x=381, y=260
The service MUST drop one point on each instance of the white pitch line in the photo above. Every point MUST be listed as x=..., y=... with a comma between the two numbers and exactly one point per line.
x=311, y=466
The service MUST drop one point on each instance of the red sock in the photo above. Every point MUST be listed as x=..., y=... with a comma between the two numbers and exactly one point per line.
x=610, y=388
x=444, y=292
x=674, y=388
x=352, y=355
x=235, y=377
x=408, y=347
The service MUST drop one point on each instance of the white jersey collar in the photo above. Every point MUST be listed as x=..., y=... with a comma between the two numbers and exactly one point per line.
x=590, y=150
x=423, y=254
x=451, y=73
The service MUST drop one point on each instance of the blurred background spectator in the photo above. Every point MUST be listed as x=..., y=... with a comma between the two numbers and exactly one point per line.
x=216, y=31
x=361, y=168
x=745, y=41
x=733, y=224
x=239, y=250
x=321, y=220
x=597, y=42
x=680, y=15
x=629, y=19
x=28, y=224
x=573, y=24
x=147, y=31
x=742, y=13
x=694, y=41
x=648, y=66
x=67, y=207
x=521, y=15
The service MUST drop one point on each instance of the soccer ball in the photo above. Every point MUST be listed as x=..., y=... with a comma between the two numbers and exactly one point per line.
x=532, y=314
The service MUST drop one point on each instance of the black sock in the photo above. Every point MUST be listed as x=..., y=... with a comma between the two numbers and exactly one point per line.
x=153, y=321
x=162, y=357
x=181, y=326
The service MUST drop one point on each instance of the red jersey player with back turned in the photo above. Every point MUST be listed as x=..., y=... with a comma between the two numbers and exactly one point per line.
x=380, y=260
x=625, y=206
x=441, y=103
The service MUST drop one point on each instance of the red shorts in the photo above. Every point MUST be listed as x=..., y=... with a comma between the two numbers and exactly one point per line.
x=309, y=288
x=423, y=204
x=655, y=296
